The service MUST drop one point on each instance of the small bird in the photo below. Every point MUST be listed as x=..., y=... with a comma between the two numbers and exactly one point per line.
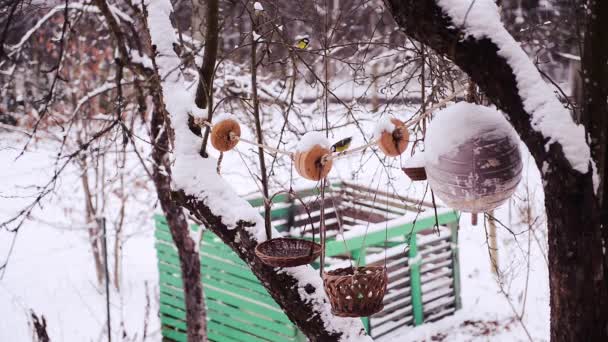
x=302, y=43
x=342, y=145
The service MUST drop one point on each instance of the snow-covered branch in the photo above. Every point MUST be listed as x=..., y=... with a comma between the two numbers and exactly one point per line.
x=213, y=201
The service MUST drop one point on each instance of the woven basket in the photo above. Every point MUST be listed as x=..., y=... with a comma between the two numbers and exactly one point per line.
x=287, y=252
x=356, y=292
x=415, y=173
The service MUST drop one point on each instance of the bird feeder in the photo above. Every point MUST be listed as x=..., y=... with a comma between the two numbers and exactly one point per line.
x=392, y=137
x=472, y=157
x=288, y=252
x=414, y=167
x=356, y=292
x=225, y=135
x=310, y=159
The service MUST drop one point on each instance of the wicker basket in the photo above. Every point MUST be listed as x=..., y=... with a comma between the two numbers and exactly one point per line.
x=287, y=252
x=356, y=292
x=415, y=173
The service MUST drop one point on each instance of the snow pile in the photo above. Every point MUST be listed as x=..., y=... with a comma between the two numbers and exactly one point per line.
x=195, y=175
x=258, y=6
x=417, y=160
x=384, y=125
x=481, y=19
x=310, y=139
x=459, y=123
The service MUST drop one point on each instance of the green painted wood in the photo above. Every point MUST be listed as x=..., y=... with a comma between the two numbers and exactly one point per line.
x=242, y=291
x=212, y=250
x=215, y=336
x=239, y=306
x=209, y=252
x=229, y=331
x=175, y=335
x=173, y=312
x=170, y=279
x=336, y=247
x=273, y=312
x=416, y=286
x=164, y=236
x=170, y=269
x=166, y=254
x=229, y=268
x=172, y=322
x=237, y=281
x=175, y=302
x=249, y=318
x=248, y=323
x=170, y=290
x=456, y=265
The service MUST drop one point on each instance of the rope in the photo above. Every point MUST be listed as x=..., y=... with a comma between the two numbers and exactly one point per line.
x=343, y=154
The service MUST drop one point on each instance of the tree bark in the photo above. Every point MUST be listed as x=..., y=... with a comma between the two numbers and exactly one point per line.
x=204, y=89
x=577, y=285
x=178, y=225
x=594, y=102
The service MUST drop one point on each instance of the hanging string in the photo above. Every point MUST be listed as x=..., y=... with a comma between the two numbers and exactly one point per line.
x=322, y=227
x=341, y=228
x=343, y=154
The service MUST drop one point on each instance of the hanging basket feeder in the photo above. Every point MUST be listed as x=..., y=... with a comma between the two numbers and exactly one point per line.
x=311, y=164
x=394, y=143
x=225, y=135
x=356, y=292
x=287, y=252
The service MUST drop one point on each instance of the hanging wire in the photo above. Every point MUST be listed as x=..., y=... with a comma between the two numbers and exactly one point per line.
x=343, y=154
x=341, y=228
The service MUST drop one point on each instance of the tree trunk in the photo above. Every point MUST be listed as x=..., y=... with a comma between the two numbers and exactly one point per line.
x=594, y=102
x=577, y=285
x=178, y=225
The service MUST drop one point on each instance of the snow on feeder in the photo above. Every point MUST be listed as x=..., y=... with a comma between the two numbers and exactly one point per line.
x=472, y=157
x=225, y=133
x=414, y=167
x=309, y=157
x=392, y=136
x=356, y=292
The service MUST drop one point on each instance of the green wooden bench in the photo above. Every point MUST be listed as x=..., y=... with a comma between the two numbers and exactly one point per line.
x=422, y=263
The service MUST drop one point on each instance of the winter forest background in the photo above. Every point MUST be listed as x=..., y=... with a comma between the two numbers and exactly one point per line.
x=85, y=141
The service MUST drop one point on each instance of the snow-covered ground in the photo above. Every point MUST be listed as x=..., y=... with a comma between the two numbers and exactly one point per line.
x=51, y=269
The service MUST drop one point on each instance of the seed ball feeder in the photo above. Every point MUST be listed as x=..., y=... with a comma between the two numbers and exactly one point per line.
x=472, y=157
x=309, y=158
x=225, y=133
x=392, y=136
x=414, y=167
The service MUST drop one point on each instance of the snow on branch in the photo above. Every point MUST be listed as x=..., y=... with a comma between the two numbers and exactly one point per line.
x=481, y=19
x=197, y=176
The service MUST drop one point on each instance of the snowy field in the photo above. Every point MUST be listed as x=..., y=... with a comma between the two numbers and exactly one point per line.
x=51, y=269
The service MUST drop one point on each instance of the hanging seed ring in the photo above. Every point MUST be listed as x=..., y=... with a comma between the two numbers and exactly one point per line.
x=287, y=252
x=356, y=292
x=225, y=135
x=394, y=144
x=313, y=164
